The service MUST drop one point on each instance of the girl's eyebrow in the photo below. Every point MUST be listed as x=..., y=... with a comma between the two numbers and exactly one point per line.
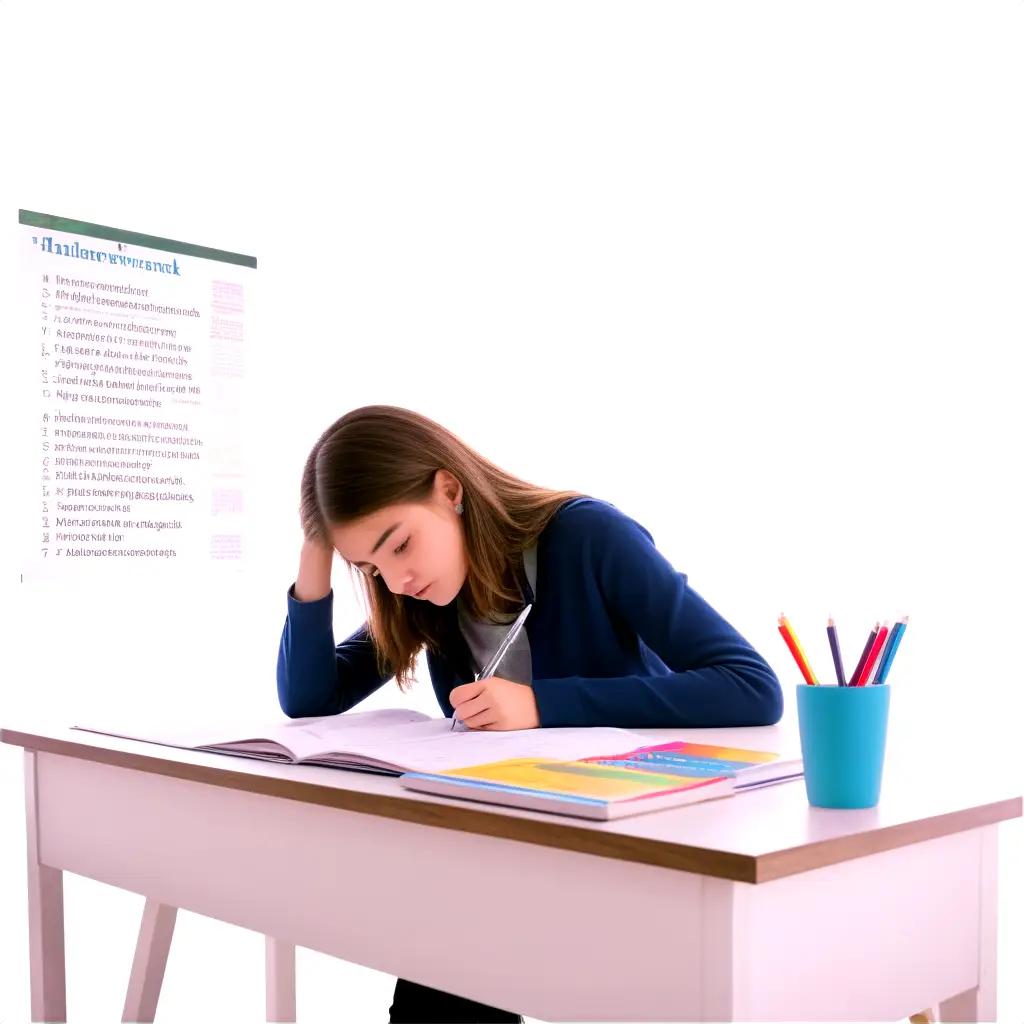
x=383, y=537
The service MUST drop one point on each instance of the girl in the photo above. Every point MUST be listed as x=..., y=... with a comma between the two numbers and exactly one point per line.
x=450, y=548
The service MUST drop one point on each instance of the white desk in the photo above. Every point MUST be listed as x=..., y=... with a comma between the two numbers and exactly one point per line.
x=752, y=907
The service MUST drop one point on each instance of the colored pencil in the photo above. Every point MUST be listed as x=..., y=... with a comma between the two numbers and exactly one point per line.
x=876, y=649
x=800, y=648
x=797, y=650
x=885, y=662
x=864, y=656
x=837, y=658
x=800, y=663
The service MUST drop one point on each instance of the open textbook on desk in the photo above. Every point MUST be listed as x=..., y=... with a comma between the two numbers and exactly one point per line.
x=557, y=770
x=387, y=742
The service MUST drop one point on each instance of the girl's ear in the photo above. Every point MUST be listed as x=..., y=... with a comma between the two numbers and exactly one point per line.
x=447, y=486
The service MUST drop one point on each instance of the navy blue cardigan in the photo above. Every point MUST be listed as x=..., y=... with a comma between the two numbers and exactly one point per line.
x=617, y=637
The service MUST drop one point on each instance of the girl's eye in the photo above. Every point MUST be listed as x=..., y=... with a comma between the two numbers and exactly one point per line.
x=401, y=547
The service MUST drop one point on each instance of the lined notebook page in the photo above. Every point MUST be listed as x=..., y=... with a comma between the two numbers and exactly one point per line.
x=403, y=739
x=193, y=733
x=432, y=747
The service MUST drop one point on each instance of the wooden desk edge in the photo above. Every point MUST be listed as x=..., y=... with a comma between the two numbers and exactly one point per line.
x=558, y=833
x=832, y=851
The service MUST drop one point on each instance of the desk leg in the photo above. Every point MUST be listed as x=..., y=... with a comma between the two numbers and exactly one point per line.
x=979, y=1004
x=45, y=914
x=280, y=980
x=150, y=961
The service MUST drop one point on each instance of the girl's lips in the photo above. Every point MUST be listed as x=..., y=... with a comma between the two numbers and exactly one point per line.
x=424, y=590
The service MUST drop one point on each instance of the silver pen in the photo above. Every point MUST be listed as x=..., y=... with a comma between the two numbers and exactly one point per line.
x=491, y=667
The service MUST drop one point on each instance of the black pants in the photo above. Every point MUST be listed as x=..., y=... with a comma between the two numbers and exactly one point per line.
x=417, y=1004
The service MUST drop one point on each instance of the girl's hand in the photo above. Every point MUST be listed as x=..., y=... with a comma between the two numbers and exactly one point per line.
x=496, y=704
x=313, y=581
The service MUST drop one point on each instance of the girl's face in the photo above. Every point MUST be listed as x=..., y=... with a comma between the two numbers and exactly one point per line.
x=413, y=547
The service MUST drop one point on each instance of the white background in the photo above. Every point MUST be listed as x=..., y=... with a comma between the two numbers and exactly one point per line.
x=751, y=271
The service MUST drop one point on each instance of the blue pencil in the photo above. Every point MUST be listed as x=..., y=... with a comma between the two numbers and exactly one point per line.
x=885, y=663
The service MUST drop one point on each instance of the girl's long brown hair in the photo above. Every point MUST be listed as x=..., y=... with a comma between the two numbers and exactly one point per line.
x=382, y=455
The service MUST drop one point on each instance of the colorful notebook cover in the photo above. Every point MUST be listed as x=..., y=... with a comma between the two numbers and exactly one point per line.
x=645, y=779
x=748, y=767
x=569, y=787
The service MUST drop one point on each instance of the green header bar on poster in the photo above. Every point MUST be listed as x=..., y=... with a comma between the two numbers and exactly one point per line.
x=81, y=227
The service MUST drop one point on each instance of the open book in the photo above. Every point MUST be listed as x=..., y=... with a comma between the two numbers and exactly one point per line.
x=648, y=778
x=387, y=742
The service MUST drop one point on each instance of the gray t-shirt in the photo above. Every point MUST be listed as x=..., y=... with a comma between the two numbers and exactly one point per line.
x=484, y=638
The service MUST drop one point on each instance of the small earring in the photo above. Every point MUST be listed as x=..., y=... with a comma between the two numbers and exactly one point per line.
x=458, y=509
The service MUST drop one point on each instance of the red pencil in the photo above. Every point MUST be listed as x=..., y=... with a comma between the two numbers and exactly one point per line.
x=876, y=649
x=864, y=656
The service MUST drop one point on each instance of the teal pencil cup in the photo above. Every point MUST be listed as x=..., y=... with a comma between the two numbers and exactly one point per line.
x=842, y=737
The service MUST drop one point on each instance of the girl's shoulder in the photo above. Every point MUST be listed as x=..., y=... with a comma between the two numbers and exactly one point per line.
x=579, y=517
x=588, y=531
x=582, y=508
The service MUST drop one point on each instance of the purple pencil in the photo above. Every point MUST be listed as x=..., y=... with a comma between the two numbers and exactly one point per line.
x=837, y=658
